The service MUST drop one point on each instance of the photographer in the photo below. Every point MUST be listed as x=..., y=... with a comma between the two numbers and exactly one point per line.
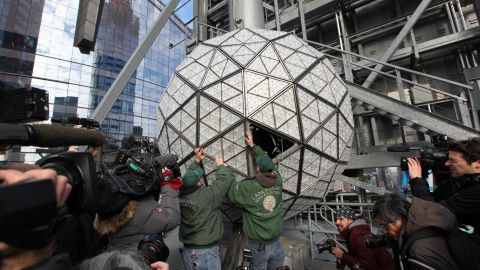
x=461, y=194
x=352, y=229
x=41, y=257
x=126, y=218
x=403, y=222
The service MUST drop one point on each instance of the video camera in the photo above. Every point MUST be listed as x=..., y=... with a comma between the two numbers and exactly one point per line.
x=79, y=168
x=137, y=166
x=431, y=159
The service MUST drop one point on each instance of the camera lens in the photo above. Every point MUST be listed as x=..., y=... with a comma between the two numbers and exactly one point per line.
x=375, y=241
x=153, y=249
x=79, y=168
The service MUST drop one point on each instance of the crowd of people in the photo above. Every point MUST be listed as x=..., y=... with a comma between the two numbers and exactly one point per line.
x=422, y=232
x=125, y=230
x=430, y=230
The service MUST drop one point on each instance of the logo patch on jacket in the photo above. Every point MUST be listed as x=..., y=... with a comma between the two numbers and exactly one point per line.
x=269, y=203
x=187, y=208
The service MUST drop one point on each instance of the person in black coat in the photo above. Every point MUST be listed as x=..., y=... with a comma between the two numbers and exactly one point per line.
x=461, y=193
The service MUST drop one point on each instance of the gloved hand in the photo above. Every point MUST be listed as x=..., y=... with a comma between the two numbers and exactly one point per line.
x=167, y=175
x=167, y=178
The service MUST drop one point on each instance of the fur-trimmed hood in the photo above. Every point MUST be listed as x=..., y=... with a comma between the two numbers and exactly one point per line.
x=114, y=223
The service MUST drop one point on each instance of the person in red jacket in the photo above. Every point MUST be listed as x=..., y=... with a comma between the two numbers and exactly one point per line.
x=353, y=228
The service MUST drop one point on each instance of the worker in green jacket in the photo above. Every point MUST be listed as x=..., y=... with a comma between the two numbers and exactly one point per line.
x=261, y=197
x=201, y=225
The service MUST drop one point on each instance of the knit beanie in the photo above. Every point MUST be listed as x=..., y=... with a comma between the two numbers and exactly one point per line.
x=264, y=163
x=191, y=177
x=347, y=212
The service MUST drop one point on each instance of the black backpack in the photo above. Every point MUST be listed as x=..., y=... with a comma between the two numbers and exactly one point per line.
x=463, y=244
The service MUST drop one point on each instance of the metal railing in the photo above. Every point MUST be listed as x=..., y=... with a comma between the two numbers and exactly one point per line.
x=411, y=87
x=320, y=219
x=460, y=102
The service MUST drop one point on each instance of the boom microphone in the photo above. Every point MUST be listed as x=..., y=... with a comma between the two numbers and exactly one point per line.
x=48, y=135
x=399, y=148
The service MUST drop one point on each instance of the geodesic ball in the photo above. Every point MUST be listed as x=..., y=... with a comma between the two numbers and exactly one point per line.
x=273, y=80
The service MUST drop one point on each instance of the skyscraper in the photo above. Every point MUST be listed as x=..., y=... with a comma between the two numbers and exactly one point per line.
x=36, y=49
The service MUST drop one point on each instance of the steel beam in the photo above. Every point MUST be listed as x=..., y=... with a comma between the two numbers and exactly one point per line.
x=364, y=185
x=391, y=49
x=231, y=15
x=400, y=89
x=375, y=131
x=277, y=15
x=268, y=6
x=127, y=71
x=290, y=14
x=200, y=11
x=347, y=58
x=218, y=6
x=410, y=115
x=452, y=41
x=302, y=20
x=476, y=4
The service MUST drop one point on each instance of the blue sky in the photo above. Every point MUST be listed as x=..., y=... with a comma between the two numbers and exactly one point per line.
x=186, y=12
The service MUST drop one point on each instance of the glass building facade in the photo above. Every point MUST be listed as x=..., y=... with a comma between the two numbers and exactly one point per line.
x=36, y=49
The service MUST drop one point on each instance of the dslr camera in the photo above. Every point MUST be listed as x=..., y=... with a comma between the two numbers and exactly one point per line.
x=247, y=260
x=328, y=245
x=152, y=248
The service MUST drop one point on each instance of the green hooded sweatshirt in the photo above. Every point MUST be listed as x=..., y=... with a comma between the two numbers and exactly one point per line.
x=261, y=198
x=201, y=223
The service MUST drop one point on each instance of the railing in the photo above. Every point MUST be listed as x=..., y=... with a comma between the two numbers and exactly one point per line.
x=419, y=89
x=437, y=95
x=320, y=218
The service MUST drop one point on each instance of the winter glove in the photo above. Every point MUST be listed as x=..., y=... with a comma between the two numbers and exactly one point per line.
x=167, y=178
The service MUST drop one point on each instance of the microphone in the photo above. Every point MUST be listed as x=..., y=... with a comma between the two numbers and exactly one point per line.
x=399, y=148
x=48, y=135
x=84, y=122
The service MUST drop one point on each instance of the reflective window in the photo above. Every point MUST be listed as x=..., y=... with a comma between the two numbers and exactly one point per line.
x=36, y=41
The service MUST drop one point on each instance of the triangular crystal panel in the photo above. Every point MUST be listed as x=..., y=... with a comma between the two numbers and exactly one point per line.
x=329, y=143
x=193, y=73
x=220, y=67
x=270, y=34
x=290, y=41
x=180, y=147
x=229, y=91
x=316, y=140
x=200, y=51
x=260, y=88
x=220, y=39
x=214, y=119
